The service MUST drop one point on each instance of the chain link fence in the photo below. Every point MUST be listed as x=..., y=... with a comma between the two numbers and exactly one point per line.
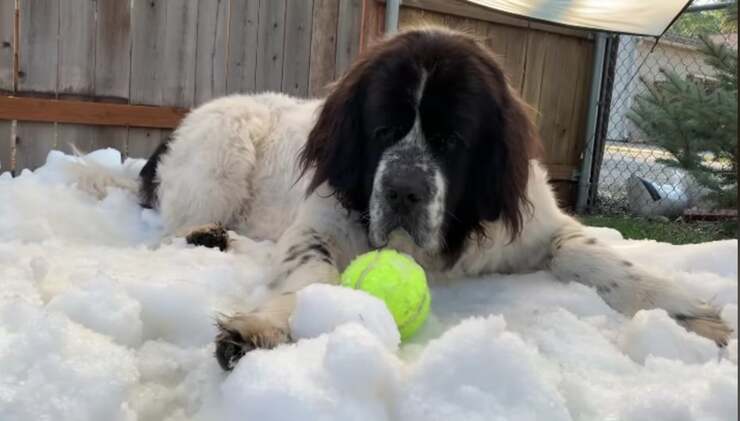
x=668, y=121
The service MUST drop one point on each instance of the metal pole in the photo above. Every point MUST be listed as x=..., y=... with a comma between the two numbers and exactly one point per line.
x=391, y=15
x=705, y=7
x=584, y=180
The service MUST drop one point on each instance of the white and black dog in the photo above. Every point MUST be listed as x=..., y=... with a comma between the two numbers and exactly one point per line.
x=422, y=147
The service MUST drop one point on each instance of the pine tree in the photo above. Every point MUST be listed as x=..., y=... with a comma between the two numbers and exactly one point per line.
x=696, y=122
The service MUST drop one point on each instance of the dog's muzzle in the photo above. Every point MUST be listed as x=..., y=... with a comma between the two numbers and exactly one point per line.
x=406, y=196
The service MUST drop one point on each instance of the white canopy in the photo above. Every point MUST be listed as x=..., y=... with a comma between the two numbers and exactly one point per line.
x=640, y=17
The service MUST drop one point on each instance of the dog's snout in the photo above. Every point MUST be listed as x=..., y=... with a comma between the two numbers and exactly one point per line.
x=405, y=193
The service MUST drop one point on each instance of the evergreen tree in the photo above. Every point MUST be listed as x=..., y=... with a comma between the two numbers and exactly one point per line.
x=696, y=121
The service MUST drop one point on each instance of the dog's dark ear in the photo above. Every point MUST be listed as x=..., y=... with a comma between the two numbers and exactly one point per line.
x=512, y=142
x=333, y=150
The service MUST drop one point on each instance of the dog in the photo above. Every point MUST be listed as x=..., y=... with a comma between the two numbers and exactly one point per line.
x=423, y=147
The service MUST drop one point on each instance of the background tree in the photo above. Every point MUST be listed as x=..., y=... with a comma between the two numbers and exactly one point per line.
x=696, y=121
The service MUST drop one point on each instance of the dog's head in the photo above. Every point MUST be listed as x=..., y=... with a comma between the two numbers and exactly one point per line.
x=425, y=135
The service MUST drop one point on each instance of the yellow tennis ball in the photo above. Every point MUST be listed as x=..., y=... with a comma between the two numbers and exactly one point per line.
x=396, y=279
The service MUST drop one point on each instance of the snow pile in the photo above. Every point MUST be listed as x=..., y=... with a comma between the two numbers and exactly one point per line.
x=101, y=318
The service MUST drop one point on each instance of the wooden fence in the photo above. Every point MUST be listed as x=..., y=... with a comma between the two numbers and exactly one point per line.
x=169, y=54
x=173, y=55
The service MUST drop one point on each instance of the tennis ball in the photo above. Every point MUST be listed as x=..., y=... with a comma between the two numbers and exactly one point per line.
x=396, y=279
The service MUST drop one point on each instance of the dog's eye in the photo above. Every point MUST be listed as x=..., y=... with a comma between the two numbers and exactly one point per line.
x=383, y=134
x=447, y=142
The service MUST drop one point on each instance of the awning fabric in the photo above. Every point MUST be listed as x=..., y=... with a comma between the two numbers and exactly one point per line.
x=640, y=17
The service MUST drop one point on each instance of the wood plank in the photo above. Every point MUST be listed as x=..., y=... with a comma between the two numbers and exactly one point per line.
x=510, y=45
x=148, y=29
x=112, y=50
x=143, y=142
x=458, y=23
x=76, y=73
x=348, y=34
x=298, y=26
x=270, y=51
x=39, y=57
x=76, y=48
x=33, y=143
x=112, y=65
x=148, y=35
x=409, y=17
x=6, y=146
x=374, y=24
x=85, y=112
x=562, y=172
x=111, y=137
x=241, y=63
x=7, y=17
x=580, y=106
x=323, y=46
x=537, y=48
x=549, y=96
x=210, y=50
x=177, y=63
x=38, y=47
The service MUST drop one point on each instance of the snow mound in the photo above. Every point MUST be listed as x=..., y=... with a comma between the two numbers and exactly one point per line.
x=322, y=308
x=103, y=319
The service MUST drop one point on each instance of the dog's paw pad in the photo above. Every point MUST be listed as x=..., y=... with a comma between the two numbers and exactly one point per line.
x=230, y=348
x=243, y=333
x=211, y=236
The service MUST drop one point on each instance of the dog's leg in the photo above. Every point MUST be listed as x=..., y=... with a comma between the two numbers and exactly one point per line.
x=306, y=254
x=628, y=287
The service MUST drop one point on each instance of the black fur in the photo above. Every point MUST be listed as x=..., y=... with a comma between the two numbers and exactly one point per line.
x=475, y=127
x=148, y=177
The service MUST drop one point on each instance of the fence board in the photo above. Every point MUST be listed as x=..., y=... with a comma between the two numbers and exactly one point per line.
x=148, y=26
x=38, y=75
x=242, y=46
x=270, y=48
x=112, y=50
x=551, y=94
x=38, y=46
x=298, y=19
x=142, y=142
x=76, y=68
x=6, y=146
x=76, y=47
x=113, y=65
x=373, y=24
x=210, y=50
x=7, y=16
x=537, y=45
x=510, y=45
x=322, y=68
x=177, y=64
x=32, y=144
x=348, y=34
x=148, y=35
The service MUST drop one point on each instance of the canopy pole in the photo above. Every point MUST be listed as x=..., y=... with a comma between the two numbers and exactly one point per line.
x=392, y=8
x=584, y=179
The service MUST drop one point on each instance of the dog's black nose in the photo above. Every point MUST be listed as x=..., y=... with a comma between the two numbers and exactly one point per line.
x=405, y=193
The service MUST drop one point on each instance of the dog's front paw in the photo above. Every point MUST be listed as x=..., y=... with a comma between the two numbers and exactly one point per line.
x=242, y=333
x=211, y=236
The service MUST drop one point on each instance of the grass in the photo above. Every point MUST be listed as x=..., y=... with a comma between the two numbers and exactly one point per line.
x=674, y=232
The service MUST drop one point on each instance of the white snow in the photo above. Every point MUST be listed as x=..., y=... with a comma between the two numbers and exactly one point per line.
x=101, y=318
